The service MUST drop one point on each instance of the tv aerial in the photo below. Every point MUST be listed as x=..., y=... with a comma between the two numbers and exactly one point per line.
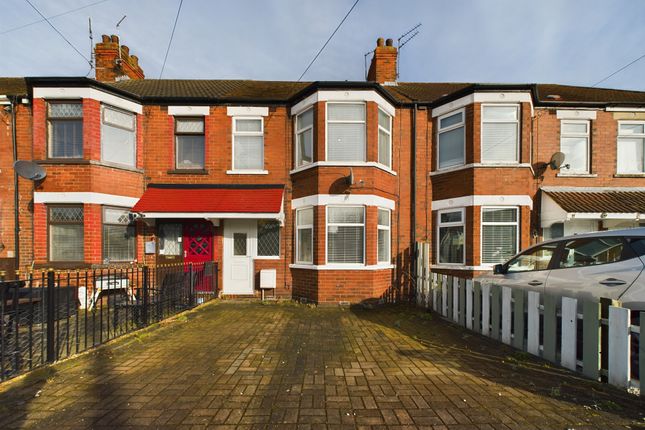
x=29, y=170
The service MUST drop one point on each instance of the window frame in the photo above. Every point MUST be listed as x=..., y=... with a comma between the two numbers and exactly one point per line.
x=48, y=120
x=327, y=224
x=387, y=228
x=327, y=122
x=304, y=227
x=481, y=231
x=234, y=133
x=518, y=130
x=450, y=128
x=389, y=134
x=637, y=136
x=178, y=119
x=134, y=130
x=49, y=223
x=587, y=136
x=461, y=223
x=257, y=238
x=296, y=134
x=104, y=223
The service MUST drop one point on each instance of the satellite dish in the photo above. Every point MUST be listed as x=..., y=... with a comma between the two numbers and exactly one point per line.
x=350, y=178
x=556, y=160
x=29, y=170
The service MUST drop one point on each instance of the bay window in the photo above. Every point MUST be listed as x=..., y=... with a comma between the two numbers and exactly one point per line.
x=305, y=235
x=66, y=237
x=345, y=131
x=189, y=143
x=500, y=234
x=500, y=134
x=630, y=151
x=574, y=143
x=384, y=139
x=65, y=129
x=305, y=138
x=345, y=234
x=248, y=144
x=383, y=236
x=118, y=235
x=451, y=237
x=451, y=140
x=118, y=136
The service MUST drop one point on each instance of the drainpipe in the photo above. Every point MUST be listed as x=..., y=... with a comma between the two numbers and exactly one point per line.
x=413, y=193
x=16, y=218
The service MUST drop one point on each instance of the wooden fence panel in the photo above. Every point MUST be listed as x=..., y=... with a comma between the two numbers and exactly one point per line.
x=550, y=334
x=469, y=304
x=455, y=299
x=641, y=353
x=462, y=302
x=444, y=295
x=619, y=359
x=518, y=318
x=435, y=289
x=506, y=315
x=568, y=347
x=426, y=273
x=495, y=311
x=477, y=307
x=533, y=323
x=486, y=309
x=591, y=339
x=449, y=296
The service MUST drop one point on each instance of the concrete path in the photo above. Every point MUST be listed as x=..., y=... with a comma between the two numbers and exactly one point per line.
x=249, y=365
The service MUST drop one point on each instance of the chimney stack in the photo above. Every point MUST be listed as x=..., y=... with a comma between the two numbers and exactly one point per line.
x=113, y=61
x=383, y=67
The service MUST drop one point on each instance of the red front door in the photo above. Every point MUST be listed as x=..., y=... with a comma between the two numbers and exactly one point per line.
x=198, y=241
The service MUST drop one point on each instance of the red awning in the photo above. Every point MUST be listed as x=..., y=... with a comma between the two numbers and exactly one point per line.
x=209, y=200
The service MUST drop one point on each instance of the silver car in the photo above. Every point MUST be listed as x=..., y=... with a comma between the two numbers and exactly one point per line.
x=606, y=264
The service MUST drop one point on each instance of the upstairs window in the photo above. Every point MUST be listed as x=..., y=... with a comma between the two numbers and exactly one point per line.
x=248, y=144
x=451, y=140
x=118, y=235
x=451, y=237
x=499, y=234
x=345, y=234
x=384, y=139
x=66, y=233
x=118, y=136
x=65, y=129
x=189, y=143
x=500, y=134
x=345, y=131
x=631, y=154
x=574, y=143
x=305, y=138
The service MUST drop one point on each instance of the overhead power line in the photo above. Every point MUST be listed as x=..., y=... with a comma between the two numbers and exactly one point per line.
x=619, y=70
x=60, y=34
x=172, y=35
x=330, y=37
x=20, y=27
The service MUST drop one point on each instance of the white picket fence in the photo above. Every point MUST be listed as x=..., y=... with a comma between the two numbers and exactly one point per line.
x=595, y=338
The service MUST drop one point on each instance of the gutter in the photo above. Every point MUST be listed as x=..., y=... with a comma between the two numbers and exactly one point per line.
x=16, y=202
x=413, y=192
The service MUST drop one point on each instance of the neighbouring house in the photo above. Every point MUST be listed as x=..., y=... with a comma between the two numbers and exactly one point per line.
x=328, y=184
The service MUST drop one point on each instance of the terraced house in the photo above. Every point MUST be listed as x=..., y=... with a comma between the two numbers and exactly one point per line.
x=321, y=189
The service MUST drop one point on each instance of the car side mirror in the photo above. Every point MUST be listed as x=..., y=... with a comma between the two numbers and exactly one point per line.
x=498, y=269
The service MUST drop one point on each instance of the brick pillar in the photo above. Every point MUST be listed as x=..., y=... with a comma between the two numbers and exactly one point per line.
x=113, y=61
x=40, y=233
x=93, y=233
x=383, y=66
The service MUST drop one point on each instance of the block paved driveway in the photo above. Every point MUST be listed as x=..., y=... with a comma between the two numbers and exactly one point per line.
x=249, y=365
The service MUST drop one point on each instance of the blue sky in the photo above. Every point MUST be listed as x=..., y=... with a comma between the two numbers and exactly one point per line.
x=558, y=41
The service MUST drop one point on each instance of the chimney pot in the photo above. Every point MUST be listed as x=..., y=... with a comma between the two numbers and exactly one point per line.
x=115, y=38
x=135, y=60
x=379, y=41
x=389, y=42
x=125, y=50
x=106, y=38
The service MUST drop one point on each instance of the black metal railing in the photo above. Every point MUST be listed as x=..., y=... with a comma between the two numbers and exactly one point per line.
x=49, y=315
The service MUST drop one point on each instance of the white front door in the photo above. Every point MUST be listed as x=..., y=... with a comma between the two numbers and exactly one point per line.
x=239, y=238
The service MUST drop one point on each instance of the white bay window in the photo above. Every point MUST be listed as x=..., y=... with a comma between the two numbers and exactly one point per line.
x=383, y=236
x=305, y=235
x=500, y=134
x=451, y=237
x=500, y=234
x=346, y=234
x=384, y=139
x=451, y=139
x=118, y=136
x=305, y=137
x=346, y=132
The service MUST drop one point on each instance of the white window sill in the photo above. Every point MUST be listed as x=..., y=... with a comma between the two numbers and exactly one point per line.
x=577, y=175
x=343, y=164
x=247, y=172
x=267, y=257
x=478, y=165
x=342, y=266
x=629, y=175
x=116, y=166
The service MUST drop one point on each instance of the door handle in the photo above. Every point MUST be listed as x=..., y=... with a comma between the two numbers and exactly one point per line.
x=612, y=282
x=535, y=283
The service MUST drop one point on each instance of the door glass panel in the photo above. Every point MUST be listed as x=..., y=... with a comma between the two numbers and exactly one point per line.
x=239, y=244
x=169, y=242
x=533, y=260
x=590, y=252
